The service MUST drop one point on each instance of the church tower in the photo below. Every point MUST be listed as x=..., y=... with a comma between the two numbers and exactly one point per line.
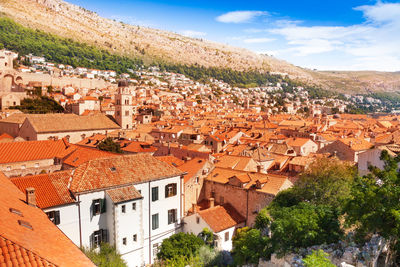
x=123, y=106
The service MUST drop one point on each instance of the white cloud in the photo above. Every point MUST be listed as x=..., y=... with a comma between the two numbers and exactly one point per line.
x=258, y=40
x=373, y=44
x=191, y=33
x=240, y=16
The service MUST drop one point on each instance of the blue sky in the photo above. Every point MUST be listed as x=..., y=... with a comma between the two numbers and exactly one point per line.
x=325, y=35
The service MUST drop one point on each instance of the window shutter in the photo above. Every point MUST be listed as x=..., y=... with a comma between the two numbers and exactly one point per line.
x=166, y=191
x=91, y=240
x=57, y=217
x=174, y=189
x=104, y=235
x=103, y=205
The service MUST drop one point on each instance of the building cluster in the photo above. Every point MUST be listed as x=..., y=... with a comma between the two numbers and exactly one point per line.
x=190, y=159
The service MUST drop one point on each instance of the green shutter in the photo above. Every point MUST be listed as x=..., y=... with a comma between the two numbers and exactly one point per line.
x=57, y=217
x=103, y=205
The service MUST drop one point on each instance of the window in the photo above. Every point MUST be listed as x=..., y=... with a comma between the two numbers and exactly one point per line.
x=8, y=168
x=197, y=220
x=126, y=112
x=221, y=200
x=98, y=237
x=133, y=206
x=172, y=216
x=197, y=180
x=154, y=193
x=154, y=221
x=124, y=241
x=126, y=101
x=123, y=208
x=117, y=113
x=23, y=167
x=170, y=190
x=54, y=216
x=98, y=206
x=155, y=249
x=134, y=238
x=227, y=236
x=118, y=102
x=36, y=165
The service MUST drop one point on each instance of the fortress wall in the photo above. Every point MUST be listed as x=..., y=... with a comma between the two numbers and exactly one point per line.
x=47, y=80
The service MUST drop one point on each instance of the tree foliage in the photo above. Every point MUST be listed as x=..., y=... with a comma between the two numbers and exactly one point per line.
x=179, y=245
x=303, y=225
x=249, y=245
x=374, y=207
x=109, y=145
x=105, y=257
x=326, y=181
x=39, y=105
x=318, y=258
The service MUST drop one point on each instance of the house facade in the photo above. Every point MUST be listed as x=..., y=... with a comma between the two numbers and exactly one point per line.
x=133, y=202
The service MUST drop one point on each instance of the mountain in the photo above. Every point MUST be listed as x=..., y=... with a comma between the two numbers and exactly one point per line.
x=67, y=20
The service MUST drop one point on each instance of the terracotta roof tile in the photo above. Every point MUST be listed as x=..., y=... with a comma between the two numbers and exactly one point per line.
x=42, y=245
x=106, y=172
x=50, y=189
x=220, y=218
x=122, y=194
x=31, y=150
x=47, y=123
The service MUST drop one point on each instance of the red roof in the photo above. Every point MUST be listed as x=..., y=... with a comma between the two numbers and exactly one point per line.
x=31, y=150
x=78, y=155
x=28, y=237
x=50, y=189
x=220, y=218
x=192, y=167
x=123, y=170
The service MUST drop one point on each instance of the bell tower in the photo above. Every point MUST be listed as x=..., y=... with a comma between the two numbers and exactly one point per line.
x=123, y=106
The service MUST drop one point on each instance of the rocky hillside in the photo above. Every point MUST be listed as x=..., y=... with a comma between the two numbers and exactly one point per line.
x=67, y=20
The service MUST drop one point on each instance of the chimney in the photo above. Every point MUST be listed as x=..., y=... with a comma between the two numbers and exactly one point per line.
x=259, y=168
x=30, y=196
x=211, y=202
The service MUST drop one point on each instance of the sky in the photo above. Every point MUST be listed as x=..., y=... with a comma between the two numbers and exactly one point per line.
x=315, y=34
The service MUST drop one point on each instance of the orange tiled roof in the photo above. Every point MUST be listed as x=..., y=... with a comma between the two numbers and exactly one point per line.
x=171, y=160
x=107, y=172
x=11, y=254
x=78, y=155
x=122, y=194
x=192, y=167
x=220, y=218
x=51, y=189
x=139, y=147
x=31, y=150
x=40, y=241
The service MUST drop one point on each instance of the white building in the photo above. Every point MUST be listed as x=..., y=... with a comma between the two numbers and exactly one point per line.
x=371, y=157
x=222, y=220
x=133, y=202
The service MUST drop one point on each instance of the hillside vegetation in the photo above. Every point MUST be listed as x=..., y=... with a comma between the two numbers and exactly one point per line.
x=15, y=37
x=152, y=45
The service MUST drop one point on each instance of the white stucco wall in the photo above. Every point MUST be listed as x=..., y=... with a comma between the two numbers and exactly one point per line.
x=69, y=221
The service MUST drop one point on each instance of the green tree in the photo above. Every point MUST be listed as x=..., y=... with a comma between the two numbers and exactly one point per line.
x=318, y=259
x=181, y=245
x=109, y=145
x=39, y=105
x=249, y=245
x=105, y=257
x=374, y=207
x=326, y=181
x=302, y=226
